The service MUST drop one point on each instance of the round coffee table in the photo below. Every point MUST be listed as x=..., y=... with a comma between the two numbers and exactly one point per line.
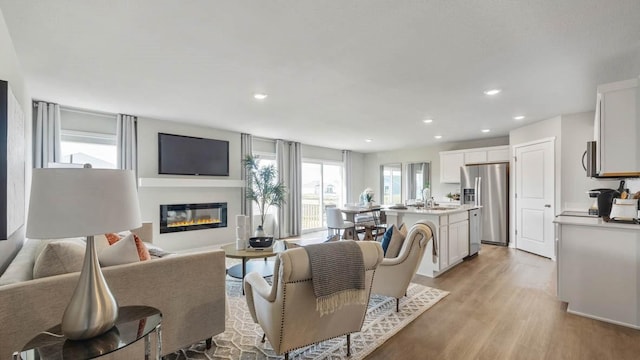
x=264, y=268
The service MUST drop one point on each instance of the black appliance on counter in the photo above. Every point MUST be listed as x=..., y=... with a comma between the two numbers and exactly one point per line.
x=605, y=201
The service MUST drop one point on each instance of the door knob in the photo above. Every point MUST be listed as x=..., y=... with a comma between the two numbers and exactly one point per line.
x=547, y=205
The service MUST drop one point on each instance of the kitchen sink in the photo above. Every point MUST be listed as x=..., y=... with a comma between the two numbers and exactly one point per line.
x=442, y=208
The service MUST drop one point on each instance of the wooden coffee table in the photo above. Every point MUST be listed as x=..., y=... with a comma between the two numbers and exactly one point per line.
x=264, y=268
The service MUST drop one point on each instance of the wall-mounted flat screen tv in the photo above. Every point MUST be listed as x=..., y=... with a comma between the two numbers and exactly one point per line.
x=187, y=155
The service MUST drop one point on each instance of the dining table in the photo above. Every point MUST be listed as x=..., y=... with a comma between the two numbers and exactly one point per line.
x=350, y=213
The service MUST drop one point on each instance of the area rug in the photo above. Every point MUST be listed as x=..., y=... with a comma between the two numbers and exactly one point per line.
x=241, y=340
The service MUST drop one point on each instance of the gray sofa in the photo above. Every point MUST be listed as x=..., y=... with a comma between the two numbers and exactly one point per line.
x=189, y=289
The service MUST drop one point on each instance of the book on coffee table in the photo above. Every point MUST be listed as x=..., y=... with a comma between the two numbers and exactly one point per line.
x=260, y=249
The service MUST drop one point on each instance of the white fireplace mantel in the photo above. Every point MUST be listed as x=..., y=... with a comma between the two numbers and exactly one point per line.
x=187, y=183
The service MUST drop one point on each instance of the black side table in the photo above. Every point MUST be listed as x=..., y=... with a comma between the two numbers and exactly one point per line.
x=133, y=324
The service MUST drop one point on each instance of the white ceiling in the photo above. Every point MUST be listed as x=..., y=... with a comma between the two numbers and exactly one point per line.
x=336, y=72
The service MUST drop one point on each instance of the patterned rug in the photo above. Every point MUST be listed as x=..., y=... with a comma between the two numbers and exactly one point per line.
x=241, y=340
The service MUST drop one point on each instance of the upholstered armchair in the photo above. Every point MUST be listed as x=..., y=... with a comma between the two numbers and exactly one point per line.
x=394, y=274
x=287, y=312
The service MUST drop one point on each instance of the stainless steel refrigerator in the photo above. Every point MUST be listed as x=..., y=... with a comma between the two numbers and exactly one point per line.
x=488, y=185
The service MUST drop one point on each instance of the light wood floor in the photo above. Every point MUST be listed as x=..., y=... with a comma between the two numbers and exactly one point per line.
x=503, y=306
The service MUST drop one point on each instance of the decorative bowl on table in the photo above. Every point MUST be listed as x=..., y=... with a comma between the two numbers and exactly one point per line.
x=260, y=241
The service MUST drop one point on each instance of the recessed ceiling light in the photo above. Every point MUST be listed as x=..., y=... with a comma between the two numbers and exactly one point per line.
x=485, y=130
x=492, y=92
x=427, y=121
x=438, y=136
x=259, y=96
x=519, y=117
x=368, y=140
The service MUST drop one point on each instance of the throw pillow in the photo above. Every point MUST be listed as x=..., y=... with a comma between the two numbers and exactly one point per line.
x=101, y=242
x=124, y=251
x=112, y=238
x=143, y=251
x=59, y=257
x=397, y=239
x=386, y=238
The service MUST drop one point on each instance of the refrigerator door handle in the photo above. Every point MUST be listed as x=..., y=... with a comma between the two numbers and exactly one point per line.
x=478, y=191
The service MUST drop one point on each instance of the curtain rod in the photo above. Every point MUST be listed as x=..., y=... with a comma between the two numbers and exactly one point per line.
x=78, y=110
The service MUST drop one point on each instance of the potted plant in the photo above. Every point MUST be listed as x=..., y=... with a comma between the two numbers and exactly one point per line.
x=264, y=188
x=366, y=197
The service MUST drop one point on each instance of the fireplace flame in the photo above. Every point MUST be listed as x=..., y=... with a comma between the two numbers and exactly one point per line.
x=194, y=222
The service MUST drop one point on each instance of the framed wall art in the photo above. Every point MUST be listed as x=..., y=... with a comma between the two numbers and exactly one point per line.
x=12, y=163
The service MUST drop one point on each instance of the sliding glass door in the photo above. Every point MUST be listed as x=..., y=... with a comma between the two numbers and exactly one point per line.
x=322, y=184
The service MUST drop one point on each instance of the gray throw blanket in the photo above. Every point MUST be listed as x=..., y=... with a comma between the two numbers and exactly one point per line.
x=338, y=275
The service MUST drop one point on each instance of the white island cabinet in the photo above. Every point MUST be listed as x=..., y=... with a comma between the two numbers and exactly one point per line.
x=452, y=236
x=599, y=269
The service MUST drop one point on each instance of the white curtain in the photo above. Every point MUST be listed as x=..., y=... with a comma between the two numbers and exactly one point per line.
x=282, y=166
x=127, y=142
x=47, y=134
x=295, y=189
x=289, y=164
x=348, y=175
x=246, y=148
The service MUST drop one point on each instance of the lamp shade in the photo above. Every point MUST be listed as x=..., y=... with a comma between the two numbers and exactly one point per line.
x=82, y=202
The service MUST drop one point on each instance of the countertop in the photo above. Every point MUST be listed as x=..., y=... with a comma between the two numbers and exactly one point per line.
x=426, y=211
x=593, y=221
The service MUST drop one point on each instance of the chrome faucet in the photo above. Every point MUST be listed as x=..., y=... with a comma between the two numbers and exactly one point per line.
x=430, y=203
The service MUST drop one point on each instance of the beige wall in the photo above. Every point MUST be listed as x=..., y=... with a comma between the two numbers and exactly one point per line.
x=11, y=72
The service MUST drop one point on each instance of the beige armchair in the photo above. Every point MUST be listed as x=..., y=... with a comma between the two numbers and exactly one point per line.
x=287, y=312
x=394, y=274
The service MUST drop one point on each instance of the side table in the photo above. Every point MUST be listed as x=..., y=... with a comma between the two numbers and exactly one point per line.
x=133, y=324
x=239, y=271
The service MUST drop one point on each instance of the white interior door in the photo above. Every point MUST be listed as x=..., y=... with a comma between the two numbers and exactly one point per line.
x=535, y=198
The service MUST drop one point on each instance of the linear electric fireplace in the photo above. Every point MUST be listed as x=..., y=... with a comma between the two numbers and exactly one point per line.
x=186, y=217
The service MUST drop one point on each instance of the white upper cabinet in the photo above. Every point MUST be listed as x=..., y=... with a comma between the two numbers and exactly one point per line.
x=498, y=154
x=474, y=157
x=451, y=161
x=617, y=128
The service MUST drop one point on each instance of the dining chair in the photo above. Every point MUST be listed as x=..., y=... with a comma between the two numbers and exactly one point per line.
x=336, y=222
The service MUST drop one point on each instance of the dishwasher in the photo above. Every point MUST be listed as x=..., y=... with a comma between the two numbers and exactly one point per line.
x=474, y=232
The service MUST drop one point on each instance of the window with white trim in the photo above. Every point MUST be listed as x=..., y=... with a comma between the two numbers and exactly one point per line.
x=79, y=147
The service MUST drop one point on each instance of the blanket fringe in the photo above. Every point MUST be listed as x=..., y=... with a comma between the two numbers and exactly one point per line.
x=330, y=303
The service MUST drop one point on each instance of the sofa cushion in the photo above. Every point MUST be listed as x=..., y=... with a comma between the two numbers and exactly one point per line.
x=21, y=268
x=59, y=257
x=397, y=239
x=125, y=250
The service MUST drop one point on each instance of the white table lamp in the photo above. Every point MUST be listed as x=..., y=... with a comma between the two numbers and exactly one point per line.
x=84, y=202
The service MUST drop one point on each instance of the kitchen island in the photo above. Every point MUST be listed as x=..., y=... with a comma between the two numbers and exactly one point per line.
x=451, y=233
x=599, y=269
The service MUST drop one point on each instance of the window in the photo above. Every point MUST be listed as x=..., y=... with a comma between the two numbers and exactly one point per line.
x=391, y=183
x=265, y=159
x=97, y=149
x=322, y=184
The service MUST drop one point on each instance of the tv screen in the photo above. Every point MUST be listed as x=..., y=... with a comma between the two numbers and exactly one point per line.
x=186, y=155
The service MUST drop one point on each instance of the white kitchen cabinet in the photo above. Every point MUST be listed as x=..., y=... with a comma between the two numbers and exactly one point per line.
x=598, y=270
x=498, y=154
x=617, y=128
x=458, y=237
x=475, y=157
x=452, y=236
x=450, y=163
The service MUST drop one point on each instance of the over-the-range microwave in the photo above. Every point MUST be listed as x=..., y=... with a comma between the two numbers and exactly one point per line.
x=591, y=165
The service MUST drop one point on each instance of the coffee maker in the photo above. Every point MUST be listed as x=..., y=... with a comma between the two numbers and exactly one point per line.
x=602, y=200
